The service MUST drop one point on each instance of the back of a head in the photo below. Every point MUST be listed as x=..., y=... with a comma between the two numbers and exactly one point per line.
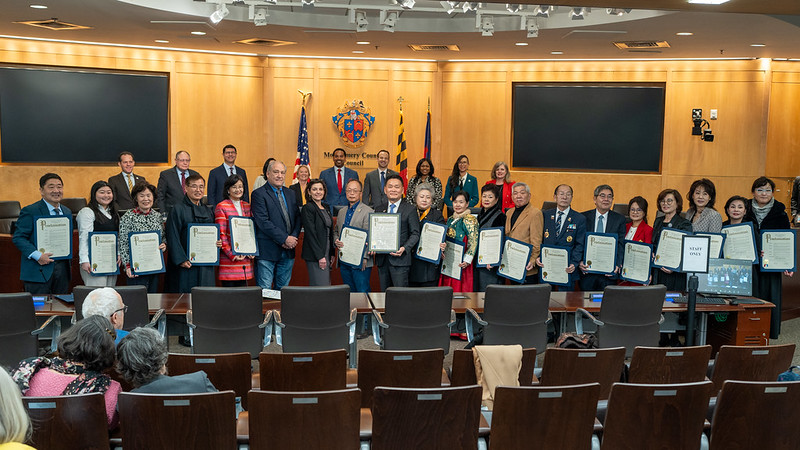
x=89, y=342
x=141, y=355
x=101, y=302
x=14, y=423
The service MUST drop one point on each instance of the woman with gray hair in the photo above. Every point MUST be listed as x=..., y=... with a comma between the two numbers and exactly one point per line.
x=424, y=273
x=142, y=361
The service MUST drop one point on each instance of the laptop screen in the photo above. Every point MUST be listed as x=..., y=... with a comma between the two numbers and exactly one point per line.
x=727, y=277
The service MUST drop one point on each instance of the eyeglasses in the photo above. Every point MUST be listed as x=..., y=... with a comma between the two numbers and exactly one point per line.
x=124, y=309
x=667, y=201
x=606, y=196
x=635, y=210
x=352, y=191
x=763, y=191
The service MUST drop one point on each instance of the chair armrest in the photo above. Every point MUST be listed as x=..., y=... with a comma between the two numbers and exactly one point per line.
x=452, y=319
x=74, y=319
x=267, y=326
x=471, y=318
x=189, y=319
x=159, y=322
x=475, y=316
x=549, y=317
x=377, y=324
x=579, y=314
x=661, y=320
x=276, y=319
x=50, y=320
x=353, y=316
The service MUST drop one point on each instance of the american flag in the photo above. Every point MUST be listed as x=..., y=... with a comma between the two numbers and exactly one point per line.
x=302, y=146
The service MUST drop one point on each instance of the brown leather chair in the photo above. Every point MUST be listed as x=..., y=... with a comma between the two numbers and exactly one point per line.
x=411, y=369
x=68, y=422
x=660, y=365
x=227, y=320
x=9, y=212
x=751, y=363
x=463, y=371
x=313, y=371
x=563, y=367
x=18, y=331
x=226, y=371
x=135, y=298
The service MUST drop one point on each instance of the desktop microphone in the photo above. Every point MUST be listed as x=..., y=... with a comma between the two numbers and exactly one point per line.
x=244, y=272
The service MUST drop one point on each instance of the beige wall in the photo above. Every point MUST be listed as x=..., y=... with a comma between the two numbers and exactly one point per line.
x=253, y=103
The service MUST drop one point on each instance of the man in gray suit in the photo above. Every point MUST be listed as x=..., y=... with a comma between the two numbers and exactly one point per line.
x=375, y=181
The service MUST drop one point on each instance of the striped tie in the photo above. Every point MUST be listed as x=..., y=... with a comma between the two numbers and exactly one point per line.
x=130, y=183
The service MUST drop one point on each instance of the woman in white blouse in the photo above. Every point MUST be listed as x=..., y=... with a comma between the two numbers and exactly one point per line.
x=99, y=215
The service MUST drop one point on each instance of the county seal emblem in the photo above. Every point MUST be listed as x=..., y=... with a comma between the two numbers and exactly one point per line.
x=353, y=120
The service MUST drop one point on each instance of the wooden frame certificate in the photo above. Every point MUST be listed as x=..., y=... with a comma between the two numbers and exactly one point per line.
x=555, y=261
x=490, y=247
x=431, y=236
x=351, y=254
x=717, y=243
x=452, y=257
x=600, y=253
x=103, y=253
x=636, y=262
x=778, y=247
x=669, y=250
x=740, y=242
x=514, y=260
x=145, y=258
x=242, y=234
x=53, y=234
x=384, y=232
x=201, y=244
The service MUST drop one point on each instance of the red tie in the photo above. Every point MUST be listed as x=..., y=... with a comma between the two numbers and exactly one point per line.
x=339, y=179
x=183, y=181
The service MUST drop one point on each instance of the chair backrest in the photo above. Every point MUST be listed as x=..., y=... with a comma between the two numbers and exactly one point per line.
x=656, y=415
x=196, y=421
x=463, y=372
x=408, y=369
x=304, y=420
x=559, y=417
x=9, y=209
x=548, y=205
x=6, y=225
x=74, y=203
x=564, y=366
x=426, y=418
x=516, y=315
x=16, y=323
x=751, y=363
x=318, y=371
x=621, y=208
x=68, y=422
x=226, y=371
x=657, y=365
x=134, y=297
x=756, y=415
x=418, y=318
x=227, y=320
x=631, y=315
x=315, y=318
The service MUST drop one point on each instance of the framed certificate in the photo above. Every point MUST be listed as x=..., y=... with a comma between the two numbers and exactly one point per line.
x=636, y=262
x=490, y=246
x=695, y=254
x=242, y=234
x=740, y=242
x=600, y=253
x=514, y=260
x=145, y=258
x=431, y=236
x=778, y=247
x=668, y=251
x=717, y=241
x=53, y=234
x=103, y=253
x=452, y=257
x=201, y=244
x=384, y=232
x=351, y=254
x=555, y=261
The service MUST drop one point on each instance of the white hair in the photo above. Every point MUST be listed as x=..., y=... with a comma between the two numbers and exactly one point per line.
x=101, y=302
x=14, y=423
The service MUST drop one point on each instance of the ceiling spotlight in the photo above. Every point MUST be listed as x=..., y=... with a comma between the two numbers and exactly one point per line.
x=38, y=6
x=260, y=17
x=471, y=6
x=684, y=33
x=542, y=11
x=162, y=41
x=618, y=11
x=217, y=16
x=708, y=2
x=388, y=20
x=520, y=44
x=199, y=33
x=487, y=26
x=557, y=52
x=578, y=13
x=758, y=45
x=513, y=7
x=406, y=4
x=307, y=2
x=361, y=21
x=533, y=30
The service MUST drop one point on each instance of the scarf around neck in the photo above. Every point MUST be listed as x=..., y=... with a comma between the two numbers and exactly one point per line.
x=761, y=211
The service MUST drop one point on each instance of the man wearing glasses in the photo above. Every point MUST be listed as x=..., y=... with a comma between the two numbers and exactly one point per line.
x=603, y=220
x=106, y=302
x=564, y=227
x=171, y=182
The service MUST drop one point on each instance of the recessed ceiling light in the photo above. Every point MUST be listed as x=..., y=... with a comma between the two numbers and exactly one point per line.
x=758, y=45
x=199, y=33
x=708, y=2
x=357, y=51
x=362, y=42
x=557, y=52
x=521, y=44
x=38, y=6
x=684, y=33
x=162, y=41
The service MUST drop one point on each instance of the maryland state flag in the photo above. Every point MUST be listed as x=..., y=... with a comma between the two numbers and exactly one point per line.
x=402, y=158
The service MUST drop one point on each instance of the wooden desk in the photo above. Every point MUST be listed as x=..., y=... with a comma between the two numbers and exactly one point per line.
x=358, y=300
x=56, y=307
x=461, y=301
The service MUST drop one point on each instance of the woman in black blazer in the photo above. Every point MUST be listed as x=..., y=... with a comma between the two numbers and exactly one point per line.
x=424, y=273
x=318, y=234
x=491, y=216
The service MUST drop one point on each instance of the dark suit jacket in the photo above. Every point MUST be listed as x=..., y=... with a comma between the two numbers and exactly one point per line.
x=169, y=189
x=409, y=235
x=328, y=176
x=122, y=196
x=317, y=238
x=615, y=224
x=373, y=195
x=189, y=383
x=23, y=239
x=271, y=231
x=298, y=193
x=422, y=271
x=573, y=235
x=216, y=182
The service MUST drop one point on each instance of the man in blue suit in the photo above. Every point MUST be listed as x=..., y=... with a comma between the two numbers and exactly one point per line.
x=603, y=220
x=218, y=175
x=277, y=219
x=40, y=274
x=336, y=178
x=563, y=227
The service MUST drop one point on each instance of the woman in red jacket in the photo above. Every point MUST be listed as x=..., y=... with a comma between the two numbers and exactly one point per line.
x=637, y=229
x=234, y=270
x=501, y=177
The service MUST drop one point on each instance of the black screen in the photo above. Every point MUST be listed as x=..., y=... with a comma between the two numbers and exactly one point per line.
x=588, y=127
x=71, y=116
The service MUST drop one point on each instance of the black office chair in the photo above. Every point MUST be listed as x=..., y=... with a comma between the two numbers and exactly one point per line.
x=548, y=205
x=18, y=331
x=621, y=208
x=9, y=212
x=316, y=319
x=513, y=315
x=416, y=319
x=227, y=320
x=135, y=298
x=629, y=316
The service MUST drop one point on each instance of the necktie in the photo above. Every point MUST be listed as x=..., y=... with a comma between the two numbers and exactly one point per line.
x=284, y=210
x=391, y=208
x=339, y=179
x=383, y=180
x=461, y=184
x=231, y=169
x=130, y=183
x=558, y=223
x=57, y=211
x=183, y=181
x=599, y=227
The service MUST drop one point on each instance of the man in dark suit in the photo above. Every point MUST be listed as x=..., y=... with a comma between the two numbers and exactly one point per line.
x=218, y=175
x=122, y=183
x=393, y=267
x=564, y=227
x=374, y=181
x=40, y=274
x=172, y=182
x=336, y=178
x=603, y=220
x=277, y=219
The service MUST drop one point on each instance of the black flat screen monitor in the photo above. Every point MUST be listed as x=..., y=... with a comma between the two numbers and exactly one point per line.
x=727, y=277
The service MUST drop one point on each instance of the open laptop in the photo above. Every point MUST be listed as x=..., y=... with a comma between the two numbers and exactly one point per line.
x=727, y=279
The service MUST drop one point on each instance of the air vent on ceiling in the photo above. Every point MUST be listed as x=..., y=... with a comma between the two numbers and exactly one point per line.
x=631, y=45
x=434, y=47
x=54, y=24
x=264, y=42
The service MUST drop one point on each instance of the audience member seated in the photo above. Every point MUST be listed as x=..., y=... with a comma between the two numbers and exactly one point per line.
x=15, y=426
x=106, y=302
x=85, y=350
x=142, y=361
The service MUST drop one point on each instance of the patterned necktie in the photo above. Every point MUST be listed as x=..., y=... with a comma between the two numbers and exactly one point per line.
x=383, y=180
x=391, y=208
x=231, y=169
x=558, y=223
x=339, y=179
x=284, y=210
x=130, y=183
x=183, y=181
x=599, y=227
x=57, y=211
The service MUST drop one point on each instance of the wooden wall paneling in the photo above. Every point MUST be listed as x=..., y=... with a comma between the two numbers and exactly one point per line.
x=285, y=108
x=783, y=129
